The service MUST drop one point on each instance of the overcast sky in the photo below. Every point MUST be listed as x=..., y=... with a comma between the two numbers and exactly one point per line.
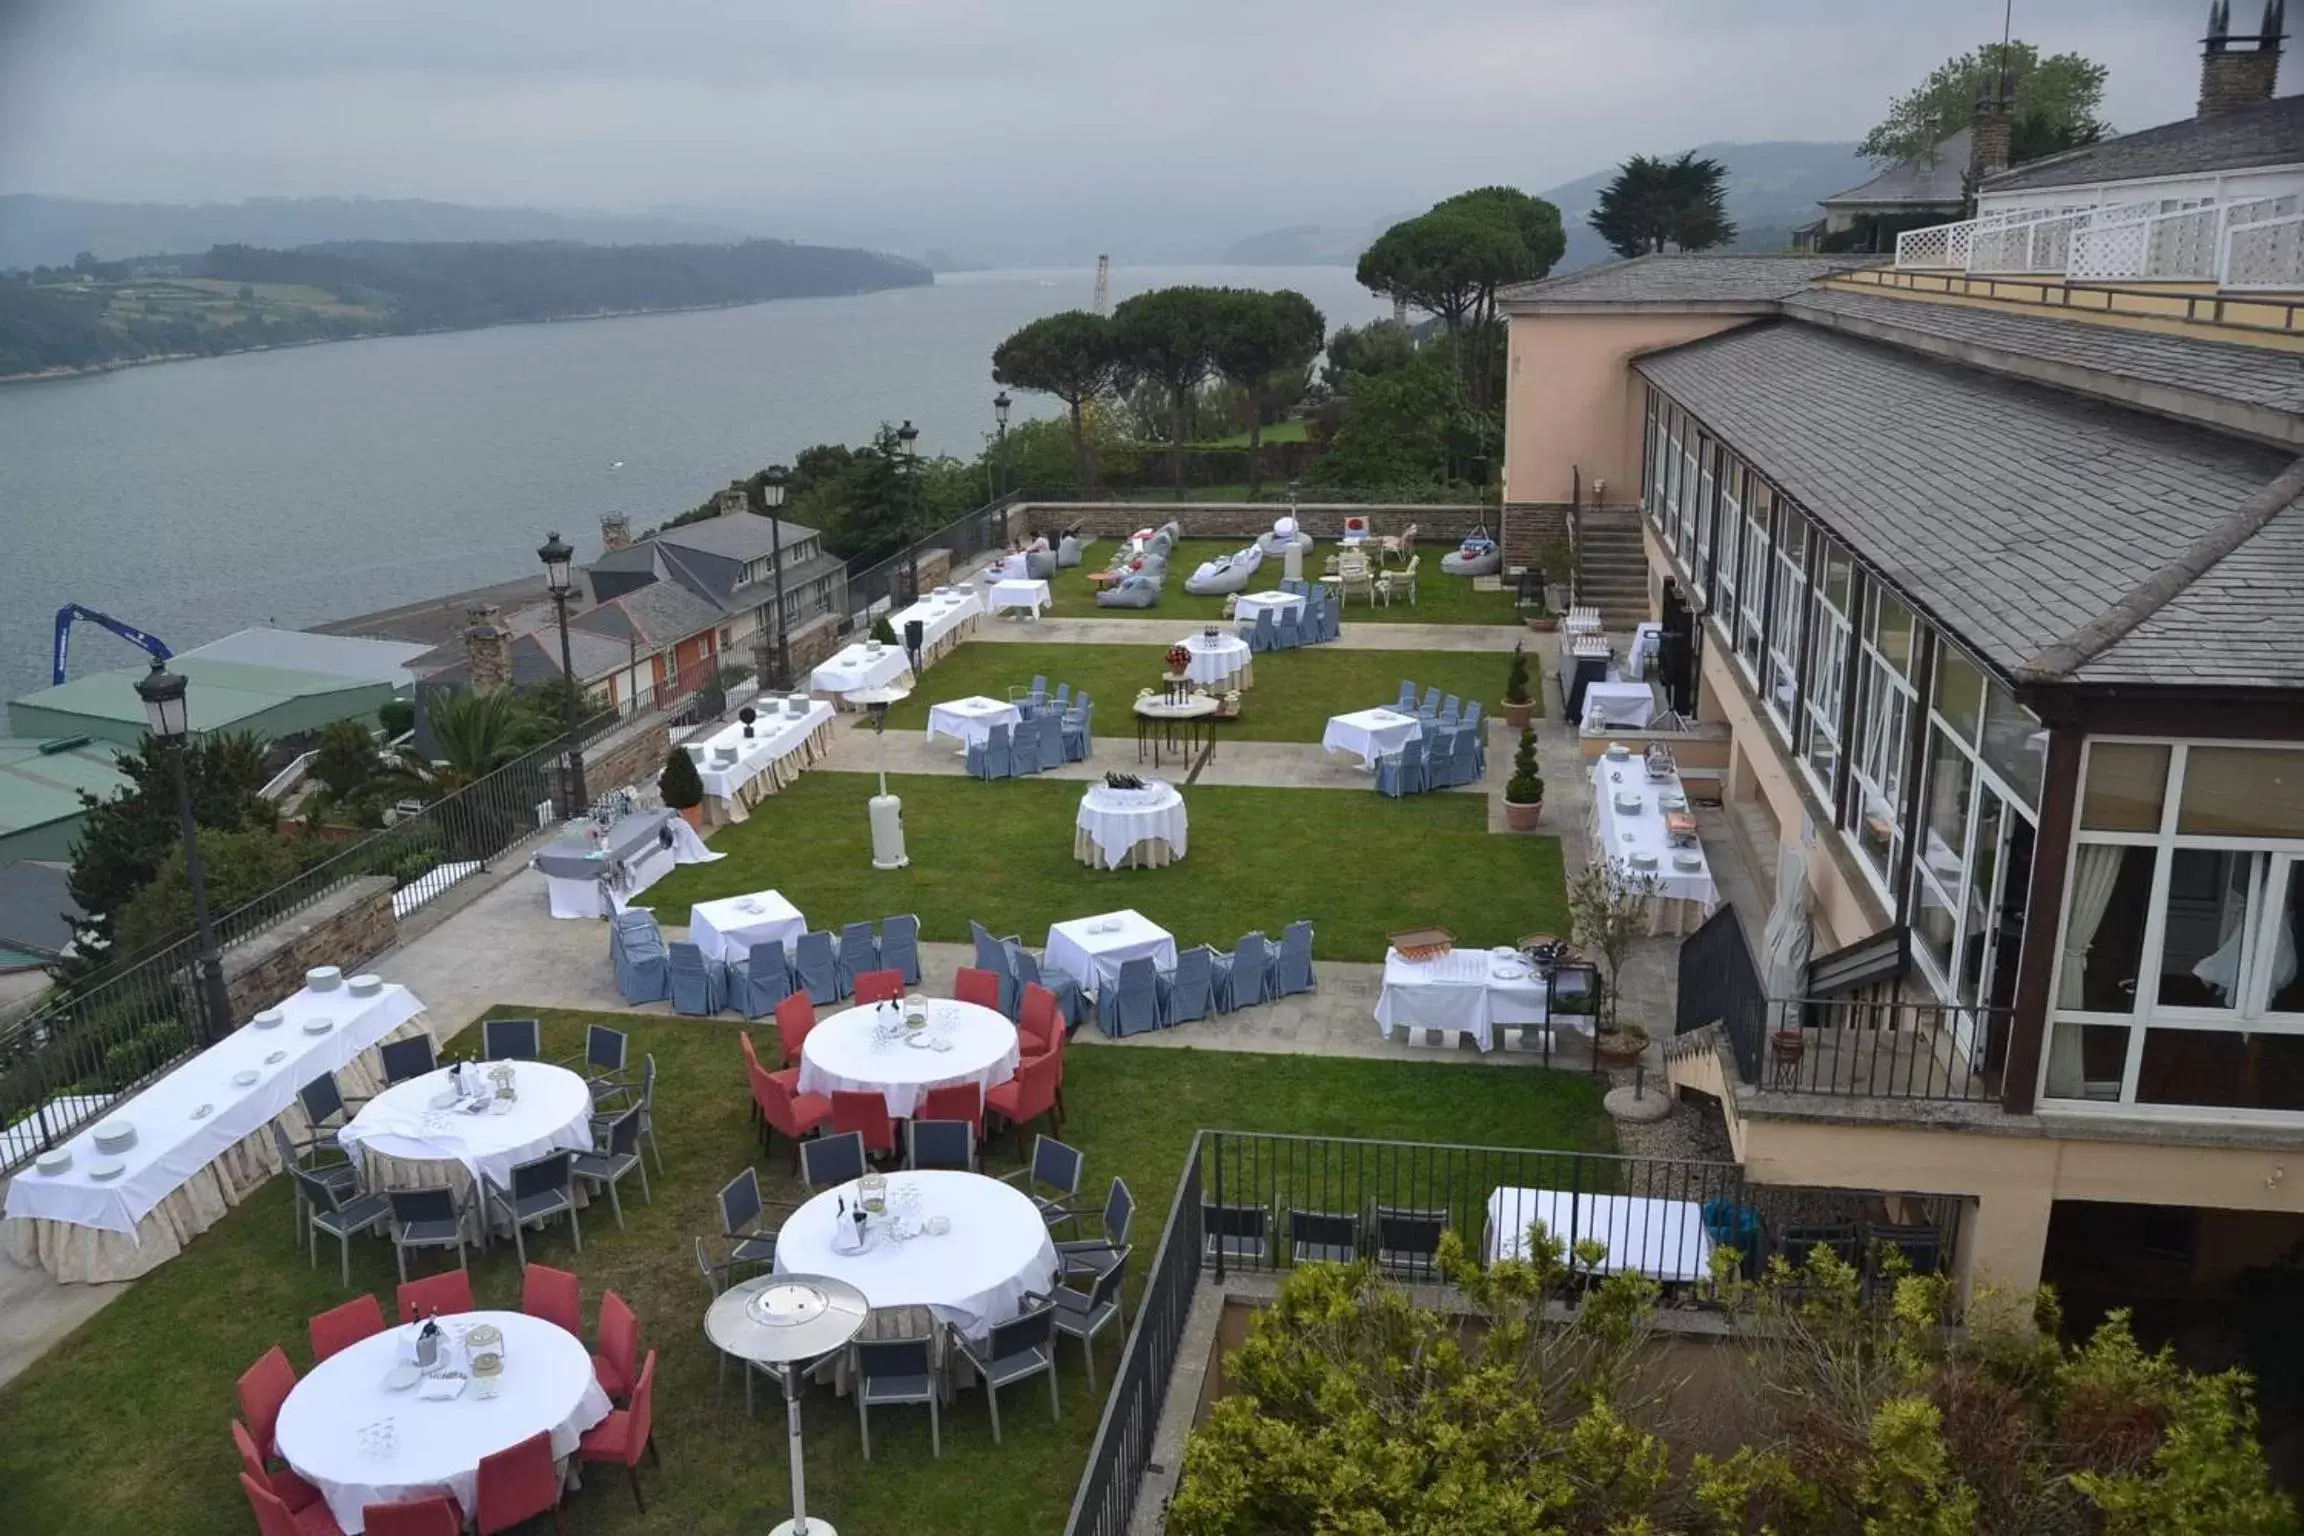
x=932, y=119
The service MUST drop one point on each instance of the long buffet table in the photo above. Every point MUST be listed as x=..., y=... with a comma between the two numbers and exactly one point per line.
x=1683, y=897
x=781, y=745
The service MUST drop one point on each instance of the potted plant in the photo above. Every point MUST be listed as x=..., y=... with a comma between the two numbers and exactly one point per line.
x=1556, y=557
x=1524, y=791
x=1620, y=1047
x=883, y=631
x=1516, y=705
x=681, y=787
x=1608, y=904
x=747, y=714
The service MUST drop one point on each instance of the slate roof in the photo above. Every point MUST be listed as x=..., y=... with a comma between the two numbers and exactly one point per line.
x=2268, y=133
x=733, y=537
x=2014, y=513
x=1934, y=179
x=1684, y=278
x=2240, y=623
x=659, y=614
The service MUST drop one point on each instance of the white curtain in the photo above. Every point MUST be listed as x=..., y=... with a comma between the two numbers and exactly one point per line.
x=2095, y=871
x=1785, y=940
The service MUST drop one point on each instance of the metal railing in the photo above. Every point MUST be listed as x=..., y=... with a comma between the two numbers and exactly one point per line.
x=1106, y=1499
x=2253, y=244
x=886, y=584
x=1719, y=984
x=1858, y=1048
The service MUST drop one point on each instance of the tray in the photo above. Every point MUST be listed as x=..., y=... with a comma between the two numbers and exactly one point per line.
x=1422, y=943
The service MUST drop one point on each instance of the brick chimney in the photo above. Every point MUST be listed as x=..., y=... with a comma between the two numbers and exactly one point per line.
x=1990, y=140
x=487, y=649
x=2239, y=72
x=615, y=531
x=734, y=502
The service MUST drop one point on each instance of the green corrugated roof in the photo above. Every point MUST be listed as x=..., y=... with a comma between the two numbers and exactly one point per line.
x=222, y=696
x=37, y=788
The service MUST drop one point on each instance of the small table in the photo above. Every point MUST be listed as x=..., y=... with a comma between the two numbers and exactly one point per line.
x=1030, y=594
x=402, y=1142
x=593, y=877
x=1372, y=733
x=548, y=1386
x=1095, y=957
x=843, y=1055
x=969, y=721
x=1662, y=1239
x=1282, y=604
x=1631, y=705
x=1130, y=828
x=728, y=928
x=1468, y=991
x=1179, y=724
x=1221, y=660
x=945, y=616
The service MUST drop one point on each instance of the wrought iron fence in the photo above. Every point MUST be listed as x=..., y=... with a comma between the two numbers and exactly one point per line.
x=1123, y=1448
x=1864, y=1048
x=1719, y=984
x=888, y=584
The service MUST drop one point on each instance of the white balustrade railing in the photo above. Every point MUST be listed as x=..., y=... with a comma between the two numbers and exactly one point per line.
x=2255, y=244
x=2264, y=253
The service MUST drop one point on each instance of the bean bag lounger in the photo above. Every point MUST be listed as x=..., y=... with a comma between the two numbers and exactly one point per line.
x=1226, y=574
x=1137, y=591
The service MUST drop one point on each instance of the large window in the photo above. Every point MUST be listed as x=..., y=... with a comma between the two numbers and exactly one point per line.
x=1695, y=486
x=1782, y=686
x=1884, y=708
x=2177, y=978
x=1730, y=541
x=1825, y=674
x=1674, y=459
x=1700, y=525
x=1756, y=563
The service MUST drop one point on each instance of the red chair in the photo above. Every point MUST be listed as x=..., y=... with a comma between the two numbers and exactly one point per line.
x=264, y=1386
x=795, y=1114
x=1039, y=1021
x=274, y=1518
x=619, y=1346
x=344, y=1326
x=626, y=1434
x=866, y=1113
x=955, y=1101
x=981, y=987
x=878, y=987
x=435, y=1516
x=516, y=1484
x=553, y=1295
x=1028, y=1095
x=795, y=1016
x=445, y=1294
x=751, y=1065
x=287, y=1487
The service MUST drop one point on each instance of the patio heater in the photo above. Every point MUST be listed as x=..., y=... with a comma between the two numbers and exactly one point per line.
x=1291, y=553
x=789, y=1321
x=887, y=811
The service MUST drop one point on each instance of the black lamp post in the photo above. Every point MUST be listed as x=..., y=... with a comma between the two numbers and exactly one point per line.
x=908, y=464
x=1000, y=405
x=163, y=694
x=772, y=487
x=557, y=558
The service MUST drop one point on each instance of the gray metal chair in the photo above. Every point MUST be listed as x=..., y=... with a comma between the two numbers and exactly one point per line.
x=900, y=947
x=341, y=1176
x=695, y=981
x=1292, y=972
x=617, y=1155
x=511, y=1040
x=759, y=981
x=1131, y=1006
x=406, y=1059
x=1191, y=992
x=426, y=1218
x=890, y=1372
x=829, y=1160
x=740, y=1212
x=1083, y=1315
x=1240, y=1234
x=1057, y=1168
x=1015, y=1351
x=541, y=1188
x=1322, y=1237
x=604, y=1058
x=817, y=968
x=1094, y=1255
x=323, y=1101
x=1407, y=1241
x=341, y=1218
x=940, y=1144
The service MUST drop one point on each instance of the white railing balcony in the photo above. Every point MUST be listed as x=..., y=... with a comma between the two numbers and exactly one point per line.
x=2256, y=244
x=2264, y=254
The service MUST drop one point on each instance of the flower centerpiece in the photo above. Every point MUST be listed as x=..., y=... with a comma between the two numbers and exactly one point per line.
x=1179, y=659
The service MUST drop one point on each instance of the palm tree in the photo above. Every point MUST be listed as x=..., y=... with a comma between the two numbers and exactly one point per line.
x=474, y=734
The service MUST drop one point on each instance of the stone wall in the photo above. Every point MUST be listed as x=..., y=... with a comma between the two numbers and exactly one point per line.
x=347, y=929
x=1435, y=525
x=633, y=755
x=1527, y=524
x=812, y=644
x=935, y=569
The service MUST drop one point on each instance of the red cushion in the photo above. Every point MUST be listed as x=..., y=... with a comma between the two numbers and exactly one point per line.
x=314, y=1520
x=810, y=1110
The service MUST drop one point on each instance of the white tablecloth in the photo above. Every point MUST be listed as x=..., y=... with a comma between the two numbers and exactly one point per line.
x=436, y=1446
x=1370, y=733
x=854, y=667
x=1095, y=957
x=843, y=1054
x=1030, y=594
x=1626, y=704
x=1116, y=820
x=1466, y=990
x=974, y=1276
x=968, y=721
x=1009, y=568
x=171, y=1146
x=1663, y=1239
x=941, y=619
x=775, y=739
x=553, y=1111
x=1282, y=604
x=1215, y=661
x=727, y=929
x=1623, y=834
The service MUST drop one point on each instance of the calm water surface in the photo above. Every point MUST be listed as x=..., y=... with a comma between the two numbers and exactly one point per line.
x=293, y=487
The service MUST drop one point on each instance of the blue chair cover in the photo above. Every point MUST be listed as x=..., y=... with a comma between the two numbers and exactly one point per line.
x=1075, y=735
x=1292, y=972
x=997, y=760
x=1291, y=632
x=1026, y=968
x=1440, y=758
x=761, y=980
x=1262, y=635
x=1192, y=989
x=1468, y=764
x=695, y=981
x=1331, y=620
x=1039, y=689
x=1248, y=976
x=1391, y=773
x=992, y=955
x=1407, y=705
x=636, y=952
x=1451, y=709
x=1063, y=694
x=859, y=952
x=1131, y=1006
x=1431, y=704
x=900, y=947
x=817, y=969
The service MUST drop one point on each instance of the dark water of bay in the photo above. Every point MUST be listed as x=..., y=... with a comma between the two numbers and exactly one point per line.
x=192, y=499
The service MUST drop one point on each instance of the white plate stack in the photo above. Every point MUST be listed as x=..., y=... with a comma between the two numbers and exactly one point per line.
x=53, y=1163
x=323, y=978
x=270, y=1018
x=365, y=986
x=115, y=1136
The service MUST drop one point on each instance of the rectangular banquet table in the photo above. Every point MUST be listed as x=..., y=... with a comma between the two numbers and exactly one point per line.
x=857, y=665
x=1095, y=957
x=727, y=929
x=944, y=620
x=1251, y=604
x=1468, y=991
x=1662, y=1239
x=1685, y=897
x=183, y=1173
x=781, y=746
x=1371, y=733
x=1030, y=594
x=1631, y=705
x=588, y=877
x=970, y=720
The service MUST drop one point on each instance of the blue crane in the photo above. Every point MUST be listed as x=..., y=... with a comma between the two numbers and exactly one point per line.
x=128, y=632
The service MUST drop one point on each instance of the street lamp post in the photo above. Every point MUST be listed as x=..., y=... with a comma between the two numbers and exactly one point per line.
x=1000, y=405
x=557, y=558
x=163, y=694
x=772, y=487
x=908, y=464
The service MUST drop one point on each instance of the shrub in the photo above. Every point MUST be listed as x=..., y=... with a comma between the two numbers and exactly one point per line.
x=680, y=784
x=1516, y=681
x=1526, y=786
x=397, y=717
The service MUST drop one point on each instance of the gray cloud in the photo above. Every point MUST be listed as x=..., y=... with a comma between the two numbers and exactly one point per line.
x=950, y=121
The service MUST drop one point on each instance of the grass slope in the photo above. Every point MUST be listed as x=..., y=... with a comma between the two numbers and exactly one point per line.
x=1439, y=599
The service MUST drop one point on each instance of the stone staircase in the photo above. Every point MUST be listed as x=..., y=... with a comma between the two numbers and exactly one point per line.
x=1611, y=570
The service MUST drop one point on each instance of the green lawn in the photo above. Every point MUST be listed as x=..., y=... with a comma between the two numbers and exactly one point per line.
x=1439, y=599
x=1295, y=692
x=1359, y=866
x=123, y=1430
x=1294, y=430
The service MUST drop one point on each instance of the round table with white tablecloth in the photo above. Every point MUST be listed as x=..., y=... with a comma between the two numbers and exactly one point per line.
x=403, y=1142
x=436, y=1447
x=963, y=1043
x=1219, y=659
x=974, y=1276
x=1130, y=828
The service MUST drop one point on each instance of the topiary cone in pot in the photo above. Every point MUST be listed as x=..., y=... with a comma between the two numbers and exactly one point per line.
x=1524, y=791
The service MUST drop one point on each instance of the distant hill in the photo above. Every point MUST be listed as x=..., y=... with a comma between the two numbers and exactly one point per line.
x=50, y=231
